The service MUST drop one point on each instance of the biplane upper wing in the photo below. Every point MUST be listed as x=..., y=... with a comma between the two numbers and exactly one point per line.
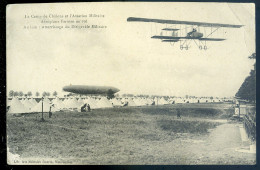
x=189, y=38
x=162, y=21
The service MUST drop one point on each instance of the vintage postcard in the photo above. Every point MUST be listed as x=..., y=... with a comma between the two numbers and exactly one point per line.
x=136, y=83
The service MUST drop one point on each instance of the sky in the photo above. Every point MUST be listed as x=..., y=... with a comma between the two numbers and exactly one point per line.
x=123, y=55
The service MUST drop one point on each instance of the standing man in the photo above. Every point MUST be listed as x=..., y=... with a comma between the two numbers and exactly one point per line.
x=178, y=114
x=89, y=108
x=50, y=113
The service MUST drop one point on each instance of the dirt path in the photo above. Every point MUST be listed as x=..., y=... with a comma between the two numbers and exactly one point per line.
x=220, y=147
x=217, y=147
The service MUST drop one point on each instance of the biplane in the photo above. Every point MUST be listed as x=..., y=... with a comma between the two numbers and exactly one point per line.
x=193, y=35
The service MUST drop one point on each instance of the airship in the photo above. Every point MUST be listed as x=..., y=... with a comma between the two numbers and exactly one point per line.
x=83, y=89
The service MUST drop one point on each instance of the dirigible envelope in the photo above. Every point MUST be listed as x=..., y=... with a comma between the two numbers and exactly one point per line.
x=81, y=89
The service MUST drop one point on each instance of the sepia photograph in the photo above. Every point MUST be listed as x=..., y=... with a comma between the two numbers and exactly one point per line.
x=131, y=83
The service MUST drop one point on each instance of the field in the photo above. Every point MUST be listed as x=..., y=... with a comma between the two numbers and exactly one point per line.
x=131, y=135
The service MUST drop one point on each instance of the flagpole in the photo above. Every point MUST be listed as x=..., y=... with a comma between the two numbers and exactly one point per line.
x=42, y=110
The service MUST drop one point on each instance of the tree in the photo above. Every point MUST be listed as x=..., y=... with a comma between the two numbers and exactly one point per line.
x=247, y=91
x=16, y=93
x=29, y=93
x=48, y=94
x=110, y=94
x=44, y=94
x=37, y=94
x=11, y=93
x=20, y=93
x=70, y=94
x=55, y=93
x=253, y=56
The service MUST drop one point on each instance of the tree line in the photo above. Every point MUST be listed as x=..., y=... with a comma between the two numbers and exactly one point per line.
x=13, y=93
x=247, y=90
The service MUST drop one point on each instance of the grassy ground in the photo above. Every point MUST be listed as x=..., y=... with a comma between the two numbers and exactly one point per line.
x=130, y=135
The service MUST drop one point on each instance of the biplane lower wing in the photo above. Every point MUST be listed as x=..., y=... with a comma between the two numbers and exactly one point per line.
x=167, y=37
x=186, y=38
x=170, y=40
x=211, y=39
x=170, y=29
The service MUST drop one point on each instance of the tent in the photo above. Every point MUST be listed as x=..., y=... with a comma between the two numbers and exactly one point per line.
x=33, y=101
x=22, y=100
x=124, y=100
x=17, y=107
x=179, y=100
x=138, y=102
x=46, y=106
x=58, y=104
x=8, y=103
x=72, y=103
x=116, y=102
x=171, y=100
x=149, y=101
x=144, y=101
x=65, y=101
x=131, y=102
x=162, y=101
x=81, y=101
x=28, y=104
x=92, y=102
x=47, y=99
x=104, y=103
